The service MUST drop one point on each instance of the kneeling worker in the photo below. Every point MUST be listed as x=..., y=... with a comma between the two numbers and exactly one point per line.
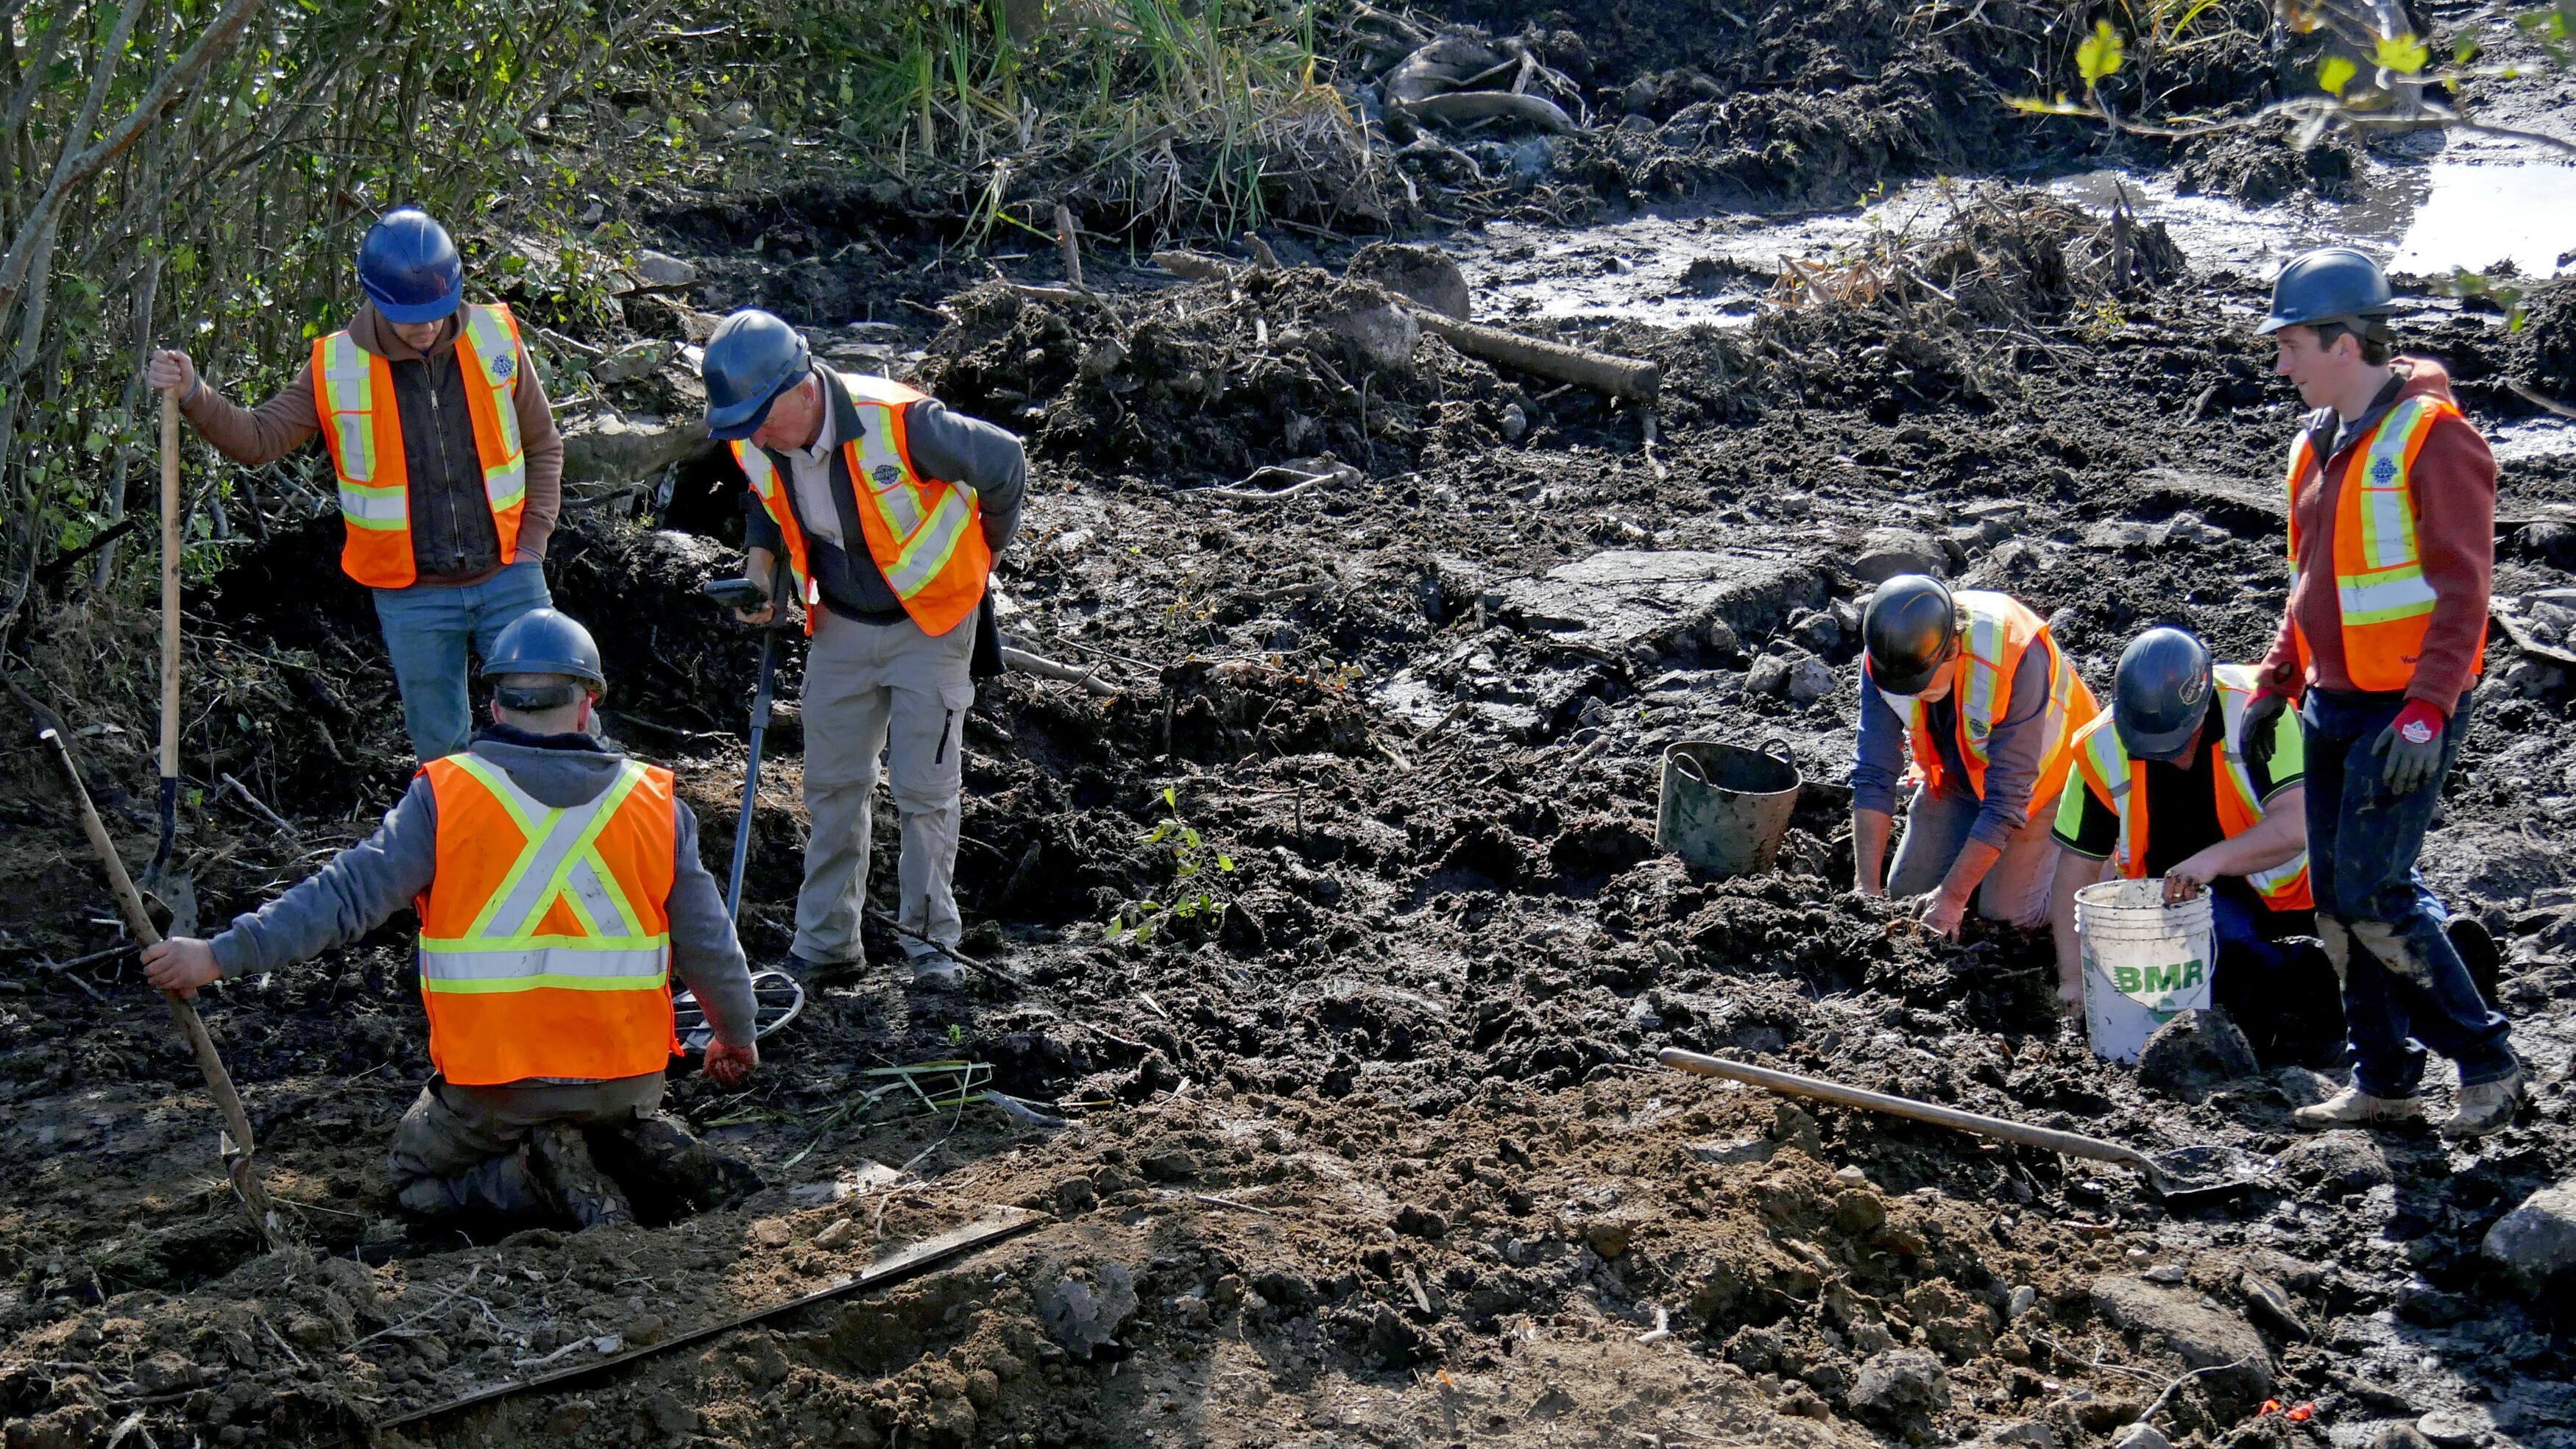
x=558, y=886
x=2221, y=821
x=1976, y=687
x=891, y=510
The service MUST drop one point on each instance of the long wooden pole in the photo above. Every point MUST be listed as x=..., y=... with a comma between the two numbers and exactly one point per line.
x=169, y=627
x=238, y=1149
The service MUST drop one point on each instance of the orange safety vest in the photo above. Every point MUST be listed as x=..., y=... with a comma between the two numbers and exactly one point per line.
x=545, y=937
x=2120, y=783
x=2386, y=601
x=926, y=536
x=353, y=391
x=2000, y=631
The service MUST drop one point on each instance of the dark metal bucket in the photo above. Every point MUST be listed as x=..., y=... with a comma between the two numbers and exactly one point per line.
x=1724, y=808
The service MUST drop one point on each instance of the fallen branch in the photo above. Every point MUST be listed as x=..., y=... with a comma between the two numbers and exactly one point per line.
x=1045, y=668
x=2541, y=401
x=260, y=808
x=1262, y=495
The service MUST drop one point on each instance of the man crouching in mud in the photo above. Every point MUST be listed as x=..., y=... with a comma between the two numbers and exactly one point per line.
x=558, y=885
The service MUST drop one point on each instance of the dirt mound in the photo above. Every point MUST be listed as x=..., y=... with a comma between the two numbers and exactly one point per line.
x=2262, y=164
x=2543, y=353
x=1212, y=381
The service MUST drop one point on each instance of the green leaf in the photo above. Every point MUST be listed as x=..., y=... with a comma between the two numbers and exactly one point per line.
x=2101, y=53
x=1160, y=831
x=1190, y=837
x=1170, y=799
x=1224, y=862
x=2464, y=49
x=2401, y=53
x=2336, y=73
x=2059, y=107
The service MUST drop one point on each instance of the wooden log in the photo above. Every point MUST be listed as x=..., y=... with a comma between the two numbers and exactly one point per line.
x=1045, y=668
x=1625, y=377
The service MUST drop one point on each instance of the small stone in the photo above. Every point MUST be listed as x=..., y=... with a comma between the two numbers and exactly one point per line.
x=2022, y=1299
x=2536, y=1243
x=2194, y=1054
x=837, y=1234
x=772, y=1233
x=1810, y=680
x=1421, y=274
x=1900, y=1383
x=1888, y=552
x=2240, y=1364
x=2458, y=1428
x=1415, y=1221
x=1769, y=675
x=1606, y=1236
x=1382, y=332
x=1851, y=1177
x=2268, y=1304
x=645, y=1329
x=1721, y=639
x=1858, y=1210
x=1082, y=1315
x=2166, y=1273
x=2399, y=1436
x=1175, y=1166
x=2028, y=1434
x=2141, y=1436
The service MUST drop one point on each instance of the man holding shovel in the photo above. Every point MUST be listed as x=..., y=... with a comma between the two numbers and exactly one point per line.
x=558, y=885
x=2392, y=554
x=890, y=510
x=448, y=460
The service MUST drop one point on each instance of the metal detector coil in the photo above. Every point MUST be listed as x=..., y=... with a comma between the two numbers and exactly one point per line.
x=777, y=995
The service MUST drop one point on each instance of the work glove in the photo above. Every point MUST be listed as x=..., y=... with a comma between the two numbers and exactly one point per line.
x=2260, y=718
x=2411, y=747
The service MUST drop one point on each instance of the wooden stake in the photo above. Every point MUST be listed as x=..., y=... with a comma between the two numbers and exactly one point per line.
x=1071, y=240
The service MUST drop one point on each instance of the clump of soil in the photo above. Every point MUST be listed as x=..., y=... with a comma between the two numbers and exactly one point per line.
x=2543, y=353
x=2261, y=164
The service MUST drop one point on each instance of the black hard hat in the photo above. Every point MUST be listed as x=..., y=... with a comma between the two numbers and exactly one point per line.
x=542, y=641
x=408, y=267
x=2161, y=694
x=1907, y=631
x=2330, y=284
x=752, y=358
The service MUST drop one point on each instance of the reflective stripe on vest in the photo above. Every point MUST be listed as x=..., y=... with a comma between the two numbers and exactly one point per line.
x=545, y=938
x=925, y=536
x=2120, y=783
x=362, y=430
x=1999, y=631
x=2381, y=593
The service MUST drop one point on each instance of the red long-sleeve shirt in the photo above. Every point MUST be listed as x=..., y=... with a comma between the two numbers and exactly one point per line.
x=2453, y=483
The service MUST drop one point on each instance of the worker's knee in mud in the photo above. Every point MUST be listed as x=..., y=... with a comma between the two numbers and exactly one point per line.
x=2390, y=943
x=2337, y=942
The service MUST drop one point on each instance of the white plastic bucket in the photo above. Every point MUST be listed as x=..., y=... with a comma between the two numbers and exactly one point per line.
x=2145, y=962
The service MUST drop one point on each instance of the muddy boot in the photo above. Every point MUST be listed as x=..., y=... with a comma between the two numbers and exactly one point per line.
x=2486, y=1107
x=500, y=1190
x=934, y=970
x=657, y=1150
x=2353, y=1107
x=562, y=1164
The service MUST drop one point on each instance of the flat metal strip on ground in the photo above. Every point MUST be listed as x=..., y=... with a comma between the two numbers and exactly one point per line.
x=921, y=1257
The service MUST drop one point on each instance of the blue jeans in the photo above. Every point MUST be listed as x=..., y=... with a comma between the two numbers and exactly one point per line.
x=427, y=628
x=2404, y=989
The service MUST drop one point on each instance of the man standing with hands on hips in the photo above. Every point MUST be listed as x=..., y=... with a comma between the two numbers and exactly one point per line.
x=889, y=510
x=2392, y=552
x=450, y=468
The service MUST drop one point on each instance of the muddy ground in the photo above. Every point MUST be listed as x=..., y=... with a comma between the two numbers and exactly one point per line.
x=1362, y=1140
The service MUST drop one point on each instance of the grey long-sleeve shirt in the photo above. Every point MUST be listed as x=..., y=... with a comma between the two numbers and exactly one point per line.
x=363, y=886
x=2013, y=752
x=939, y=444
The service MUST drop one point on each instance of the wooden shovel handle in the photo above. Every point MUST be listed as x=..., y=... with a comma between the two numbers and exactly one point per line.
x=1791, y=1084
x=219, y=1082
x=170, y=584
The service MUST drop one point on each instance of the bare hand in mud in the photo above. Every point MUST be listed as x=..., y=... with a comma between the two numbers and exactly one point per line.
x=2070, y=998
x=1941, y=913
x=180, y=965
x=729, y=1066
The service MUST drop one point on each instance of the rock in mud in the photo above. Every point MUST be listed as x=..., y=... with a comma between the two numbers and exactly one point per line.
x=2337, y=1162
x=1620, y=597
x=1900, y=1384
x=610, y=448
x=1382, y=332
x=1421, y=274
x=2200, y=1336
x=1809, y=680
x=1769, y=675
x=2142, y=1436
x=1084, y=1315
x=1888, y=552
x=2536, y=1242
x=2028, y=1434
x=2195, y=1054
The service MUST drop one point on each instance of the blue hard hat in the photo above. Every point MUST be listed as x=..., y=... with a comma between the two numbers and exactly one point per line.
x=2161, y=694
x=543, y=641
x=2330, y=284
x=752, y=359
x=409, y=268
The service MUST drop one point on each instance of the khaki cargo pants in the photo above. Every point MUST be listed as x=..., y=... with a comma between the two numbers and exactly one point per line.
x=891, y=690
x=457, y=1149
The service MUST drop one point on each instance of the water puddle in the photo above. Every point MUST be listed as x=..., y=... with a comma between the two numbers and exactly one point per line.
x=1682, y=269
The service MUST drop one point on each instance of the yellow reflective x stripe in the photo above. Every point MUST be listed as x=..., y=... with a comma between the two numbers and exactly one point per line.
x=585, y=852
x=928, y=551
x=556, y=842
x=348, y=407
x=896, y=501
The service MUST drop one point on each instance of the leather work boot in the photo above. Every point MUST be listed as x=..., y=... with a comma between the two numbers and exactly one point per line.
x=560, y=1157
x=2486, y=1107
x=656, y=1152
x=2353, y=1107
